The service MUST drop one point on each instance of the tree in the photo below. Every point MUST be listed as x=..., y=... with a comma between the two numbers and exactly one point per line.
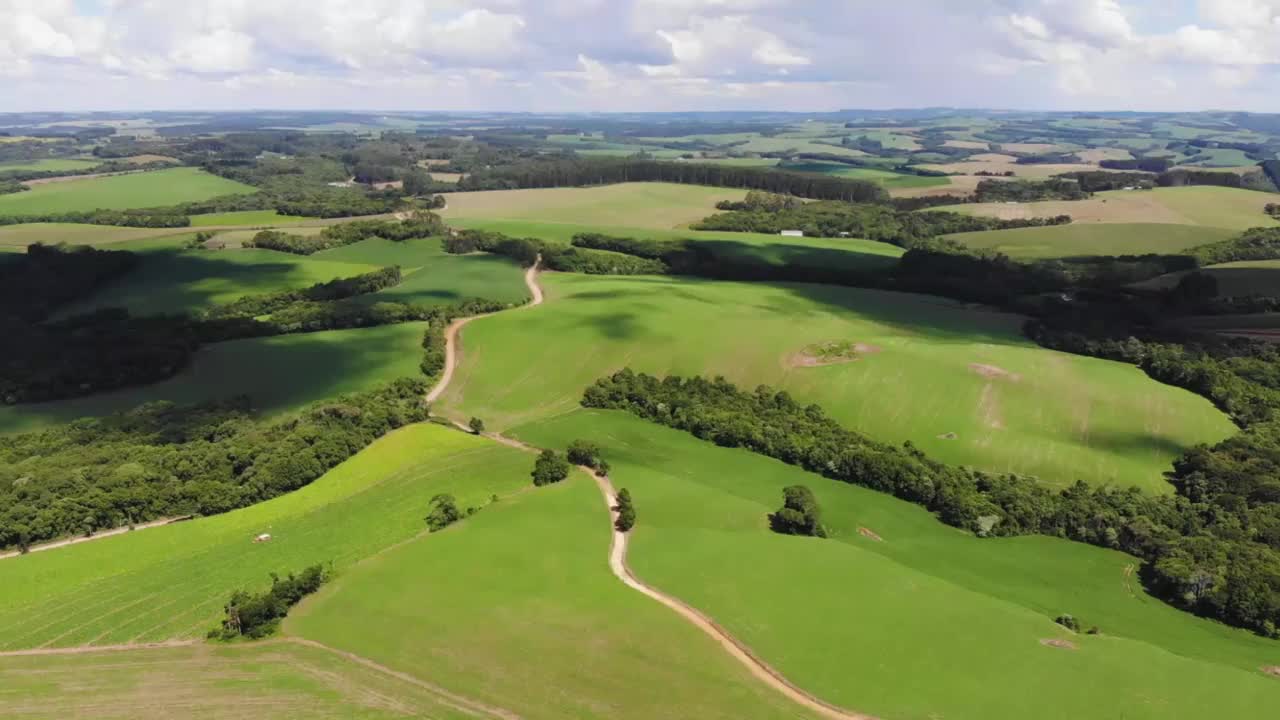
x=417, y=182
x=584, y=453
x=799, y=515
x=476, y=425
x=444, y=512
x=550, y=468
x=626, y=511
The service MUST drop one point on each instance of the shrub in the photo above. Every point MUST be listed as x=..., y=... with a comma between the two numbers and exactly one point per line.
x=799, y=515
x=550, y=468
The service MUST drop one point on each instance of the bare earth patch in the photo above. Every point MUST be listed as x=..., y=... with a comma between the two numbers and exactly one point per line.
x=948, y=436
x=869, y=534
x=1272, y=670
x=992, y=372
x=831, y=353
x=1060, y=644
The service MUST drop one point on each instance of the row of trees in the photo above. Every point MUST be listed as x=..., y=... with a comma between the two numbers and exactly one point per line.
x=1195, y=557
x=420, y=225
x=257, y=615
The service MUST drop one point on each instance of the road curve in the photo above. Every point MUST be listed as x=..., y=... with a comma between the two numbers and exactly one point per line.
x=455, y=327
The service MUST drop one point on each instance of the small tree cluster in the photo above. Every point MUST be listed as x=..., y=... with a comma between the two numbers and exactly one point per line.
x=257, y=616
x=799, y=515
x=1073, y=624
x=476, y=425
x=587, y=454
x=444, y=512
x=626, y=511
x=550, y=468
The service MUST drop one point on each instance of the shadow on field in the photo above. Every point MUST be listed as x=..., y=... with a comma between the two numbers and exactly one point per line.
x=1136, y=443
x=799, y=256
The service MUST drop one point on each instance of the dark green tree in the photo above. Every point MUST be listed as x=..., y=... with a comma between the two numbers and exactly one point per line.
x=550, y=468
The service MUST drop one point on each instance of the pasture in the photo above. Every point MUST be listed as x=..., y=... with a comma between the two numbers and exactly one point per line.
x=245, y=217
x=171, y=582
x=432, y=276
x=976, y=164
x=516, y=607
x=900, y=616
x=280, y=374
x=272, y=681
x=48, y=165
x=18, y=237
x=121, y=192
x=1236, y=279
x=1083, y=239
x=960, y=383
x=658, y=206
x=1198, y=205
x=890, y=180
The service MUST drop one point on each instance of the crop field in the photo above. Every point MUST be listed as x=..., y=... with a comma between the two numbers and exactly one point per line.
x=18, y=237
x=120, y=192
x=1036, y=172
x=1219, y=158
x=516, y=607
x=274, y=681
x=52, y=164
x=889, y=139
x=171, y=582
x=1083, y=239
x=890, y=180
x=245, y=217
x=1207, y=206
x=433, y=276
x=961, y=384
x=657, y=206
x=171, y=280
x=280, y=373
x=900, y=616
x=849, y=253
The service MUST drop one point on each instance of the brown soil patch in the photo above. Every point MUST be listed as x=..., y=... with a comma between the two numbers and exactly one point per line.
x=993, y=372
x=1272, y=670
x=948, y=436
x=809, y=357
x=870, y=534
x=1060, y=644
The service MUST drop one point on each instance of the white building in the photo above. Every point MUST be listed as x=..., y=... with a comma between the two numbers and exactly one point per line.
x=792, y=233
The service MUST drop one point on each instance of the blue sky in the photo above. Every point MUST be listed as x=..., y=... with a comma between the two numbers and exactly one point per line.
x=554, y=55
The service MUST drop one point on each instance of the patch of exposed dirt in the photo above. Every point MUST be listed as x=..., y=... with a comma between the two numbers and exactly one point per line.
x=993, y=372
x=1272, y=670
x=831, y=353
x=949, y=436
x=869, y=534
x=1060, y=644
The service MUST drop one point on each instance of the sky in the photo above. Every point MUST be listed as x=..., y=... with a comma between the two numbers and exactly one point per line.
x=639, y=55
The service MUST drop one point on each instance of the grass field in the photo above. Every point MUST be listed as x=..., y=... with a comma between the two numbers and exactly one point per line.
x=20, y=236
x=900, y=616
x=433, y=276
x=1250, y=277
x=849, y=253
x=246, y=217
x=940, y=369
x=890, y=180
x=1208, y=206
x=171, y=280
x=640, y=205
x=517, y=607
x=280, y=373
x=276, y=681
x=1038, y=171
x=51, y=164
x=171, y=582
x=1084, y=239
x=1219, y=158
x=120, y=192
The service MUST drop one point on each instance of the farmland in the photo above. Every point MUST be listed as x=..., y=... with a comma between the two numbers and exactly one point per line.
x=244, y=217
x=656, y=206
x=139, y=190
x=1084, y=239
x=49, y=165
x=1206, y=206
x=851, y=617
x=960, y=384
x=17, y=237
x=279, y=373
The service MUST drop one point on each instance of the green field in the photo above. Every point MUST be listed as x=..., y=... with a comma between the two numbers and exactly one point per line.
x=120, y=192
x=280, y=373
x=1084, y=239
x=660, y=206
x=275, y=681
x=1238, y=279
x=1216, y=207
x=517, y=607
x=847, y=253
x=245, y=217
x=433, y=276
x=49, y=165
x=17, y=237
x=934, y=368
x=900, y=616
x=171, y=582
x=883, y=177
x=1219, y=158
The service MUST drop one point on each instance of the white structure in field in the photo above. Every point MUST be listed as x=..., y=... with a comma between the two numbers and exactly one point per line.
x=792, y=233
x=264, y=537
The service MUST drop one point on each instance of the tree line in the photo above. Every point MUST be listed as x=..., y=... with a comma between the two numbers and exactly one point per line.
x=1192, y=559
x=420, y=225
x=258, y=615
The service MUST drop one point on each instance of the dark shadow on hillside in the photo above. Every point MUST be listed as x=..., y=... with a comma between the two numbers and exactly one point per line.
x=800, y=256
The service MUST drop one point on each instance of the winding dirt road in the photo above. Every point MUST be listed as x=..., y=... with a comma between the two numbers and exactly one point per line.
x=761, y=670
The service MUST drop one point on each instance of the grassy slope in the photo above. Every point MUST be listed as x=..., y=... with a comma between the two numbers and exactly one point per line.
x=171, y=279
x=1066, y=418
x=266, y=682
x=888, y=179
x=928, y=622
x=59, y=164
x=1094, y=239
x=432, y=275
x=171, y=581
x=245, y=217
x=517, y=607
x=852, y=253
x=1206, y=206
x=140, y=190
x=640, y=205
x=280, y=373
x=20, y=236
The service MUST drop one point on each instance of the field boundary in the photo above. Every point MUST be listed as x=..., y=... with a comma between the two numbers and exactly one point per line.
x=96, y=536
